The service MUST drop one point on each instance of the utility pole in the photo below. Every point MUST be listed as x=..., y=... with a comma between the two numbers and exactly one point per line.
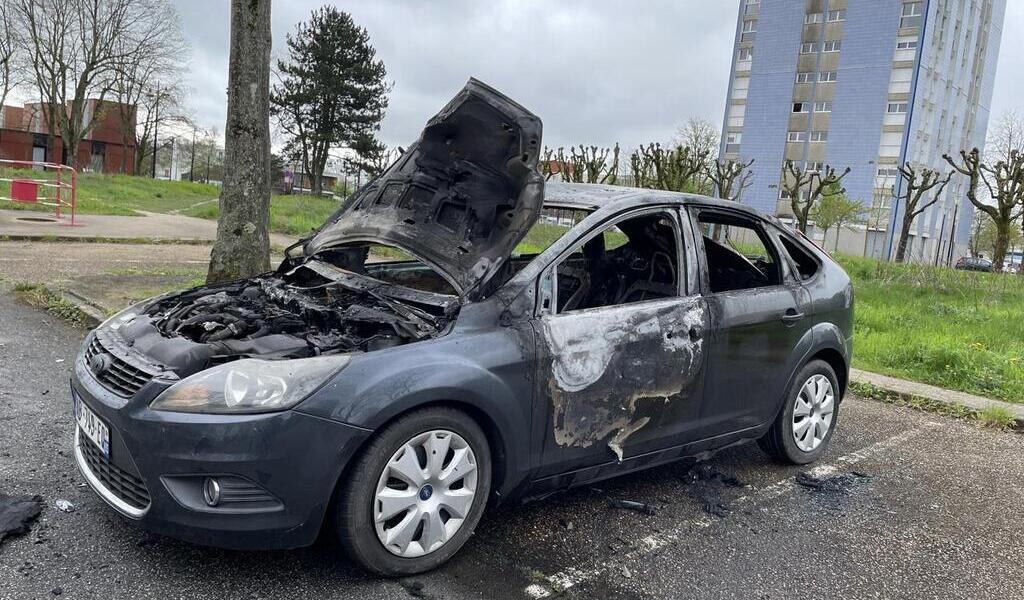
x=192, y=167
x=156, y=125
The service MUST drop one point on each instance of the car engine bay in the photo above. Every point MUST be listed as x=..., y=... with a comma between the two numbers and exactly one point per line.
x=311, y=309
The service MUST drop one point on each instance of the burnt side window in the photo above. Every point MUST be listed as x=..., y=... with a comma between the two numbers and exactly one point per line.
x=633, y=260
x=806, y=265
x=738, y=253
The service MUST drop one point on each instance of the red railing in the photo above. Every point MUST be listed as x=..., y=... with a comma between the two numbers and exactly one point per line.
x=42, y=184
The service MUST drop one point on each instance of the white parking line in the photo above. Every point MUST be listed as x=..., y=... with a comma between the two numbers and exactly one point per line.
x=572, y=576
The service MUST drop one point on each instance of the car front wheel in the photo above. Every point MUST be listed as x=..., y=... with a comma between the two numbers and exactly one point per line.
x=804, y=426
x=416, y=493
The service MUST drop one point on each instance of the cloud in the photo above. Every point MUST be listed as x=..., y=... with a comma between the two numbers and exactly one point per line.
x=596, y=72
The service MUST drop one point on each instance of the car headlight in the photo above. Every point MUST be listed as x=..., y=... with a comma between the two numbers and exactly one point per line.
x=250, y=385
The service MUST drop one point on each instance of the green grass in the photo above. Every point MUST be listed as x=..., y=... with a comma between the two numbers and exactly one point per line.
x=292, y=215
x=120, y=194
x=954, y=329
x=40, y=297
x=996, y=417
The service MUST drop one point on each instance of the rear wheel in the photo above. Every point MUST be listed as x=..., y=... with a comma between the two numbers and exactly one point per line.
x=804, y=427
x=416, y=493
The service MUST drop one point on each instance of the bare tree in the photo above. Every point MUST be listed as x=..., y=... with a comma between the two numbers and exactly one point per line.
x=917, y=184
x=1006, y=136
x=73, y=49
x=730, y=178
x=703, y=138
x=652, y=166
x=1004, y=182
x=243, y=243
x=583, y=164
x=9, y=68
x=807, y=188
x=149, y=87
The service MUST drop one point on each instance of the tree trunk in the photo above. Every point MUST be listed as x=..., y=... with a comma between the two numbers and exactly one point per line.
x=901, y=248
x=242, y=248
x=1001, y=245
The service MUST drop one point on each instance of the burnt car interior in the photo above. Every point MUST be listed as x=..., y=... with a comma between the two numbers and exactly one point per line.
x=738, y=253
x=634, y=260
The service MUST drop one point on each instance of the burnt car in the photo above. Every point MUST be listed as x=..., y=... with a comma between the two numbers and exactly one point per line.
x=494, y=354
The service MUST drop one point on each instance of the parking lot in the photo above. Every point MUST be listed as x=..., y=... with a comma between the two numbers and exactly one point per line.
x=905, y=505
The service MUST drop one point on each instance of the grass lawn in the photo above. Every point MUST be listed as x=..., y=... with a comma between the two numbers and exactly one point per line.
x=121, y=194
x=293, y=215
x=954, y=329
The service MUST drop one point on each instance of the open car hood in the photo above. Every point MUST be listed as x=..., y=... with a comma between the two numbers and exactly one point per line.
x=460, y=198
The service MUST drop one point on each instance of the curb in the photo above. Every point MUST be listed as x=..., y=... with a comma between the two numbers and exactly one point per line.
x=949, y=398
x=94, y=315
x=34, y=237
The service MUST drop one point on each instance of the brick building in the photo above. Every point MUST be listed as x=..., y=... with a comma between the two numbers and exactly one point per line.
x=23, y=136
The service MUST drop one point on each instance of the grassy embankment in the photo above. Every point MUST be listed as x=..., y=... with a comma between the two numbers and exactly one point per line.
x=125, y=195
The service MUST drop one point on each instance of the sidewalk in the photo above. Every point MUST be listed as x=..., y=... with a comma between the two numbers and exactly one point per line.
x=937, y=394
x=155, y=227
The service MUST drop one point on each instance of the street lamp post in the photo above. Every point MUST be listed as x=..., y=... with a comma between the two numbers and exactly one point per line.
x=156, y=126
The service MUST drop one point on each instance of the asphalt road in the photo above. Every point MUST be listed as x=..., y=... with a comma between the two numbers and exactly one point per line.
x=912, y=506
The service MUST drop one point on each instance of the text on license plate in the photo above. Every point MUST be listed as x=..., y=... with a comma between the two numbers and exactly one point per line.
x=91, y=426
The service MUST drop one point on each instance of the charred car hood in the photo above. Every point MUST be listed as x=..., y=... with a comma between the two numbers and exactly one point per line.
x=460, y=198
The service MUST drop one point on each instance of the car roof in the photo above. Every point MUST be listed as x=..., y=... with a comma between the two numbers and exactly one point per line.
x=594, y=196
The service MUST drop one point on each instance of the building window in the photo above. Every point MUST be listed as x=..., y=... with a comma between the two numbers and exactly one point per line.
x=732, y=142
x=834, y=16
x=812, y=18
x=746, y=54
x=819, y=136
x=827, y=76
x=911, y=15
x=823, y=107
x=749, y=25
x=897, y=108
x=799, y=107
x=814, y=167
x=911, y=45
x=805, y=77
x=808, y=48
x=888, y=172
x=832, y=46
x=797, y=136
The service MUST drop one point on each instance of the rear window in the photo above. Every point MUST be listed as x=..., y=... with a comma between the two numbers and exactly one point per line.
x=806, y=264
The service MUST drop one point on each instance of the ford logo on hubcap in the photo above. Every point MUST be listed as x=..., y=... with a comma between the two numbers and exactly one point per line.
x=426, y=492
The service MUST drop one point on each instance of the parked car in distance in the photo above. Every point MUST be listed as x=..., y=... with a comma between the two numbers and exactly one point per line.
x=1012, y=262
x=392, y=401
x=974, y=263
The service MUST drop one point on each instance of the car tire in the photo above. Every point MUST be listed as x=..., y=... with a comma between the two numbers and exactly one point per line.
x=383, y=467
x=787, y=440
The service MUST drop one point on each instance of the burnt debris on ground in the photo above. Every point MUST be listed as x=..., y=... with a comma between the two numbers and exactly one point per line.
x=705, y=485
x=640, y=507
x=838, y=484
x=17, y=514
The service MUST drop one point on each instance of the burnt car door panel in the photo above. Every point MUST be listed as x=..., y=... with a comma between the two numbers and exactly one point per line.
x=759, y=316
x=621, y=351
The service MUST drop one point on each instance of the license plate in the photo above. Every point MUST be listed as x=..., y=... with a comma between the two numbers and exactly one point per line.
x=91, y=426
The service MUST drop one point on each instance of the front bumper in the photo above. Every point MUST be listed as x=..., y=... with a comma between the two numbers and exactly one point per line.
x=287, y=464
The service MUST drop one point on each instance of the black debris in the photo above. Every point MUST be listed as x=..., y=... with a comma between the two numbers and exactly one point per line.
x=415, y=589
x=647, y=509
x=833, y=484
x=57, y=591
x=705, y=485
x=17, y=513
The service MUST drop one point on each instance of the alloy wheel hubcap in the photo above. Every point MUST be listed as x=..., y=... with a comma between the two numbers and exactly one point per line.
x=813, y=412
x=425, y=493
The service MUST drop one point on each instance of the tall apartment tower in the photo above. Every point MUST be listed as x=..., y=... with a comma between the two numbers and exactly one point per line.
x=865, y=84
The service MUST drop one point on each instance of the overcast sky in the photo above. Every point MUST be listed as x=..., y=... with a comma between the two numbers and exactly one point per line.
x=596, y=72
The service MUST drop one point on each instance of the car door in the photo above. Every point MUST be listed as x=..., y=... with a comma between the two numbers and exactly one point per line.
x=760, y=322
x=623, y=378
